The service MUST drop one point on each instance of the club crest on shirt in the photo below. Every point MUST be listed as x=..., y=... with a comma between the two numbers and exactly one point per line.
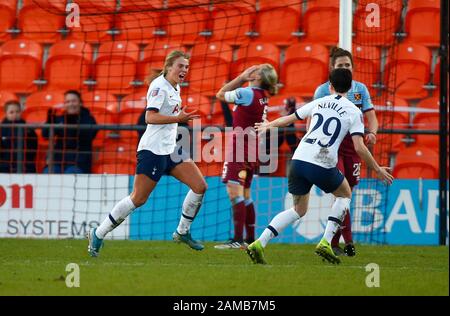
x=155, y=92
x=176, y=109
x=357, y=96
x=242, y=174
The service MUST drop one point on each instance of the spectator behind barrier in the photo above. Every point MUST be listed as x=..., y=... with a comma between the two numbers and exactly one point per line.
x=12, y=147
x=72, y=152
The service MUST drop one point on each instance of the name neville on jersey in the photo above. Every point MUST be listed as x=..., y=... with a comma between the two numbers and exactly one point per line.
x=333, y=106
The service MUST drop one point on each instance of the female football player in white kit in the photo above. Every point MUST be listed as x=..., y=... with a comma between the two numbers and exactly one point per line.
x=314, y=163
x=157, y=154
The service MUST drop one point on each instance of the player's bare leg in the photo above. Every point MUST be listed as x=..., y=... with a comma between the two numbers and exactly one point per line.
x=143, y=186
x=341, y=205
x=256, y=249
x=188, y=173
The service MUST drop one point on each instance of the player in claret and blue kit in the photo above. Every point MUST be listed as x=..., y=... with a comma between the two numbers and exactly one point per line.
x=241, y=162
x=314, y=163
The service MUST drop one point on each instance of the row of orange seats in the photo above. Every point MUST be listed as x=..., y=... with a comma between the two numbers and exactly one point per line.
x=426, y=118
x=107, y=110
x=118, y=64
x=274, y=21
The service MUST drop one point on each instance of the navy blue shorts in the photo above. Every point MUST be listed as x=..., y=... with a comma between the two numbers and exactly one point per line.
x=303, y=175
x=155, y=166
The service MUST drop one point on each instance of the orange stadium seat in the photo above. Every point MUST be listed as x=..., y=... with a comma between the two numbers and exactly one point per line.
x=427, y=121
x=217, y=118
x=184, y=3
x=138, y=22
x=255, y=53
x=304, y=69
x=115, y=66
x=231, y=22
x=422, y=22
x=411, y=71
x=211, y=169
x=212, y=148
x=321, y=22
x=209, y=67
x=129, y=116
x=134, y=101
x=37, y=115
x=277, y=105
x=6, y=96
x=367, y=64
x=68, y=65
x=154, y=55
x=185, y=24
x=115, y=167
x=101, y=99
x=47, y=99
x=277, y=20
x=377, y=34
x=20, y=65
x=417, y=162
x=197, y=102
x=103, y=117
x=93, y=29
x=391, y=120
x=116, y=150
x=137, y=5
x=96, y=21
x=7, y=17
x=97, y=6
x=389, y=101
x=42, y=20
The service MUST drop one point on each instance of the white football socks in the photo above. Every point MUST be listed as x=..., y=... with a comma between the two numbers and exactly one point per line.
x=278, y=224
x=340, y=207
x=191, y=205
x=118, y=214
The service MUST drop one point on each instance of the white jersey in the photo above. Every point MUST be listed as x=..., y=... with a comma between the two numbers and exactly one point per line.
x=164, y=98
x=332, y=117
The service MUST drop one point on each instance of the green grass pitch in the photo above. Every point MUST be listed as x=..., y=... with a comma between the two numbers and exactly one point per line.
x=38, y=267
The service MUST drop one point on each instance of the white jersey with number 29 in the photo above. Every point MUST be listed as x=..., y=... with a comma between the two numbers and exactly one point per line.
x=332, y=117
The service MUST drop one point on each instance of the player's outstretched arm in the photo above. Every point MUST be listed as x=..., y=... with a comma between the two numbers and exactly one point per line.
x=361, y=149
x=279, y=122
x=237, y=82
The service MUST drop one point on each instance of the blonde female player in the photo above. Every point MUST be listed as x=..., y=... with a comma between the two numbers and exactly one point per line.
x=157, y=155
x=251, y=107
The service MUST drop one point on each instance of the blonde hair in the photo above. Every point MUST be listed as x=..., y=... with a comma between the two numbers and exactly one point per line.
x=269, y=79
x=153, y=74
x=170, y=59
